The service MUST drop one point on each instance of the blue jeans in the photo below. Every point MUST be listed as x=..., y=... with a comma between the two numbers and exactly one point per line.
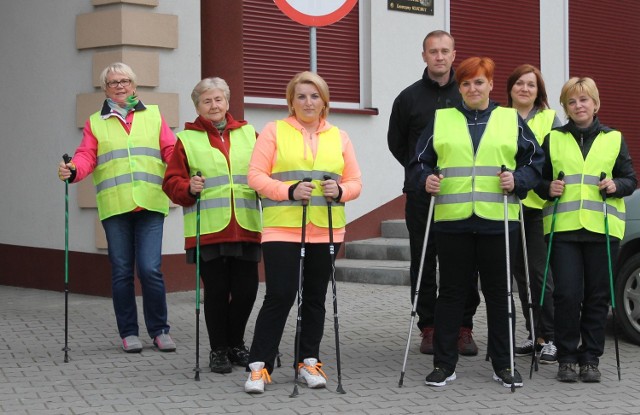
x=135, y=238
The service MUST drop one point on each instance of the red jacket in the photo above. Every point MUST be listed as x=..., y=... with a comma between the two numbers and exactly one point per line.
x=176, y=182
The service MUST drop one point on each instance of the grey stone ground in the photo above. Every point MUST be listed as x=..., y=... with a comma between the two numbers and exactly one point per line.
x=374, y=320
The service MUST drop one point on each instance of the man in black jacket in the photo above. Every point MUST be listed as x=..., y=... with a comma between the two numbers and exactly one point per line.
x=412, y=110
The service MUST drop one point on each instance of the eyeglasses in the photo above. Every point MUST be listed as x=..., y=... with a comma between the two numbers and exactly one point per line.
x=114, y=84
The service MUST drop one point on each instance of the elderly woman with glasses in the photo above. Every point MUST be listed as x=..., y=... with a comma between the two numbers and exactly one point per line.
x=126, y=146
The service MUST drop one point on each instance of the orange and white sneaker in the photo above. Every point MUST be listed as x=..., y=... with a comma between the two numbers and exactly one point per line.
x=311, y=372
x=257, y=378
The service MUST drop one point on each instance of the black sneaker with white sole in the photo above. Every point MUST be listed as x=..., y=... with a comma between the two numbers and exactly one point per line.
x=549, y=353
x=507, y=378
x=440, y=377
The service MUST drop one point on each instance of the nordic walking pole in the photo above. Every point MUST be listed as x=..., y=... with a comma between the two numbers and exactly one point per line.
x=553, y=226
x=67, y=160
x=197, y=368
x=603, y=192
x=534, y=361
x=303, y=232
x=509, y=297
x=436, y=171
x=332, y=253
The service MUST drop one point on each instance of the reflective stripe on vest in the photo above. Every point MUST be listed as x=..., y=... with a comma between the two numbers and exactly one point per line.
x=581, y=206
x=129, y=168
x=471, y=183
x=221, y=183
x=540, y=124
x=292, y=166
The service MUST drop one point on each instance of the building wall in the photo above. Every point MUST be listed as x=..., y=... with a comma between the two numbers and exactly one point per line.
x=42, y=72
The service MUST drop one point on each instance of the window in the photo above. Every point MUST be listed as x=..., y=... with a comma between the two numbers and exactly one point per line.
x=275, y=48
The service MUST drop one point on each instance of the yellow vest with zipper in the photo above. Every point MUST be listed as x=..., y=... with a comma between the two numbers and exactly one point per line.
x=540, y=124
x=581, y=205
x=295, y=161
x=224, y=182
x=471, y=184
x=129, y=170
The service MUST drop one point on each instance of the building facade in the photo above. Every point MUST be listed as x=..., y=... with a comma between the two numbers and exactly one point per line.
x=53, y=52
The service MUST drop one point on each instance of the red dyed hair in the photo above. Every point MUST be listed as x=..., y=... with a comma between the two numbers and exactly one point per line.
x=475, y=66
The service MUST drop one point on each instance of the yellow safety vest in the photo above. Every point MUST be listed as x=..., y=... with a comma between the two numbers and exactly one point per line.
x=471, y=183
x=222, y=184
x=129, y=169
x=540, y=124
x=580, y=205
x=292, y=166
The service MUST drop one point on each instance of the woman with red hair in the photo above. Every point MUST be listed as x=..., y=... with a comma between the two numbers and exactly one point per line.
x=469, y=144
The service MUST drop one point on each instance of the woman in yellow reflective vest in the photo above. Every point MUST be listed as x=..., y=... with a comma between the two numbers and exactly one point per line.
x=583, y=149
x=470, y=143
x=219, y=146
x=126, y=145
x=527, y=93
x=303, y=145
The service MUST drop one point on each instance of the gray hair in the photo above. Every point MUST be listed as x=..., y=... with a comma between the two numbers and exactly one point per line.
x=208, y=84
x=118, y=67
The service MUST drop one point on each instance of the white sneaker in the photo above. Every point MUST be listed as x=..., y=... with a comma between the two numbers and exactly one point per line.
x=257, y=378
x=311, y=372
x=131, y=344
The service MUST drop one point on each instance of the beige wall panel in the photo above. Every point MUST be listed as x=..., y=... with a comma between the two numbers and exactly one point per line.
x=87, y=193
x=146, y=65
x=125, y=27
x=101, y=238
x=87, y=104
x=153, y=3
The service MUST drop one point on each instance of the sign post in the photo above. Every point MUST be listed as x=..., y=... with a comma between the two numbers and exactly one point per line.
x=314, y=13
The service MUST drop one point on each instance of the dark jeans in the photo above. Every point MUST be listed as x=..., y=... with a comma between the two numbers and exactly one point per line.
x=461, y=255
x=537, y=258
x=282, y=268
x=135, y=239
x=581, y=298
x=230, y=289
x=416, y=212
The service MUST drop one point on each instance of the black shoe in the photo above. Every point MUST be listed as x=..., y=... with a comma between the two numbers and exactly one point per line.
x=549, y=353
x=218, y=361
x=567, y=372
x=239, y=355
x=589, y=373
x=526, y=348
x=507, y=379
x=439, y=377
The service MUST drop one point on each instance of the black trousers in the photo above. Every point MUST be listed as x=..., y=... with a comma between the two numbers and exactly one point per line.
x=416, y=212
x=230, y=290
x=461, y=255
x=581, y=298
x=282, y=266
x=537, y=259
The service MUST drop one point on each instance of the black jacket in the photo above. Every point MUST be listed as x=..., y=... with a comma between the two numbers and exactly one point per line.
x=412, y=110
x=624, y=175
x=529, y=161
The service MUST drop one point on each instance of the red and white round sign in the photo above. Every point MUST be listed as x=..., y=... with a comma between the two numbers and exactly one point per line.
x=315, y=12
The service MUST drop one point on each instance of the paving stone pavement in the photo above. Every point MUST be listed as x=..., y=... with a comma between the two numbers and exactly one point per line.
x=374, y=322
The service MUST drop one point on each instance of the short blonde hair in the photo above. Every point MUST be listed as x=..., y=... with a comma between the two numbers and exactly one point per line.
x=121, y=68
x=208, y=84
x=578, y=85
x=314, y=79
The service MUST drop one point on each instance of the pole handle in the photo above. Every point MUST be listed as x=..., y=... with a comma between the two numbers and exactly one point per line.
x=199, y=174
x=327, y=177
x=305, y=202
x=603, y=192
x=66, y=158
